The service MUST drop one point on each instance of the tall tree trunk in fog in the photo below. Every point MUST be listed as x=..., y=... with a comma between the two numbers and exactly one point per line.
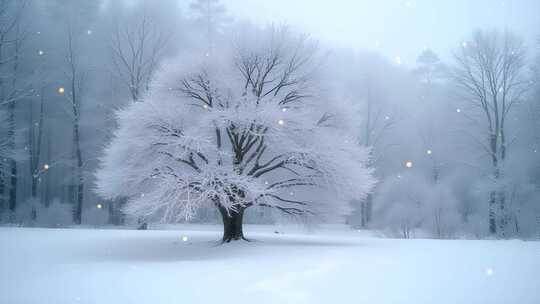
x=375, y=126
x=212, y=15
x=17, y=43
x=12, y=205
x=11, y=39
x=36, y=135
x=489, y=72
x=2, y=188
x=47, y=193
x=74, y=98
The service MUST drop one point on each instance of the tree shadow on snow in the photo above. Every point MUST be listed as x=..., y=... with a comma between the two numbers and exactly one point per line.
x=159, y=248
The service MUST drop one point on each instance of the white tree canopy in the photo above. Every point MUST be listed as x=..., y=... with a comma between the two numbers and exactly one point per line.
x=247, y=128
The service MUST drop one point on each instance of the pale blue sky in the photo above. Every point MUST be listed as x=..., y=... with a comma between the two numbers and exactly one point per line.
x=395, y=27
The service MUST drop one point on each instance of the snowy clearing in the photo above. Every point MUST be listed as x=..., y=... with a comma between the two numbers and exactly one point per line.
x=187, y=266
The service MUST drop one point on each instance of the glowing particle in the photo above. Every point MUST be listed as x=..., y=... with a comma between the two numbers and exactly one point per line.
x=205, y=106
x=99, y=206
x=40, y=52
x=46, y=167
x=89, y=32
x=266, y=182
x=61, y=90
x=489, y=271
x=458, y=110
x=387, y=118
x=185, y=238
x=284, y=110
x=428, y=152
x=281, y=122
x=408, y=164
x=398, y=60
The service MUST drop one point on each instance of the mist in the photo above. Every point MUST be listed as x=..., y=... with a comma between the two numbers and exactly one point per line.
x=404, y=72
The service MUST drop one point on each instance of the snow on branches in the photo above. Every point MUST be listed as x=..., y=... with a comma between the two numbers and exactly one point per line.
x=247, y=128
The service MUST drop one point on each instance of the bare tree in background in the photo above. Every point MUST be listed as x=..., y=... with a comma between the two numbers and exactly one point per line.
x=429, y=67
x=212, y=14
x=377, y=122
x=430, y=70
x=34, y=149
x=73, y=95
x=11, y=39
x=489, y=70
x=137, y=50
x=4, y=154
x=534, y=116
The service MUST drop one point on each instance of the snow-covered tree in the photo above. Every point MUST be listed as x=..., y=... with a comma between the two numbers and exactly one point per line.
x=251, y=128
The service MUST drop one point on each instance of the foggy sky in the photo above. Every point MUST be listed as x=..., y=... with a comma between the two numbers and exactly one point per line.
x=394, y=27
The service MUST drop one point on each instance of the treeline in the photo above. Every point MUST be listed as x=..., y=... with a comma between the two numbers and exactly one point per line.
x=65, y=67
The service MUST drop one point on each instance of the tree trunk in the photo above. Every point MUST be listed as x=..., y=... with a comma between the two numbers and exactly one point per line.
x=363, y=214
x=77, y=216
x=13, y=189
x=12, y=205
x=503, y=217
x=492, y=217
x=2, y=189
x=232, y=224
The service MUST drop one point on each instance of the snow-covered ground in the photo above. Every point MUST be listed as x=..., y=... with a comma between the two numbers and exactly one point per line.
x=41, y=266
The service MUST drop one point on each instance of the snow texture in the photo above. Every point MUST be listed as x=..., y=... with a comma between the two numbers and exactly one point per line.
x=186, y=266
